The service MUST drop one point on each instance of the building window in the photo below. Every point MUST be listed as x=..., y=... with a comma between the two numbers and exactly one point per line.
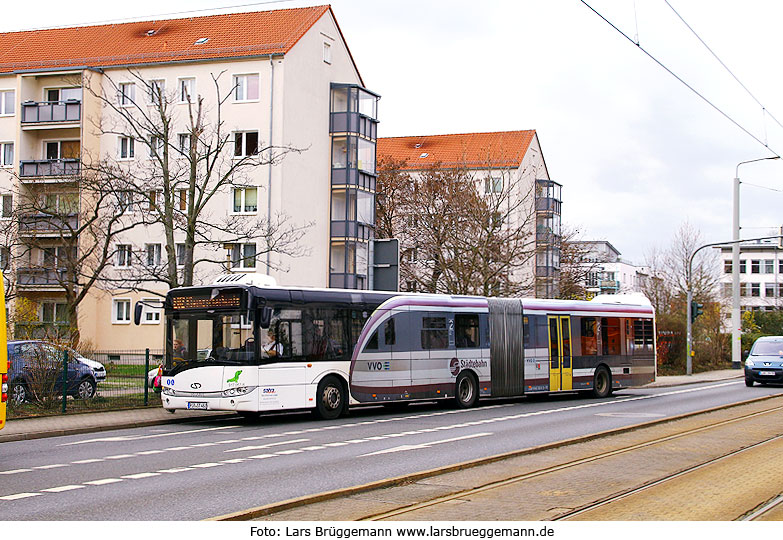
x=410, y=286
x=149, y=314
x=127, y=148
x=327, y=53
x=8, y=206
x=52, y=312
x=246, y=87
x=755, y=289
x=5, y=257
x=743, y=267
x=243, y=256
x=155, y=197
x=186, y=88
x=183, y=140
x=769, y=290
x=755, y=267
x=7, y=102
x=153, y=254
x=127, y=95
x=120, y=311
x=493, y=184
x=6, y=154
x=156, y=146
x=743, y=289
x=246, y=143
x=182, y=198
x=727, y=267
x=157, y=90
x=245, y=200
x=180, y=254
x=125, y=201
x=769, y=266
x=727, y=290
x=124, y=254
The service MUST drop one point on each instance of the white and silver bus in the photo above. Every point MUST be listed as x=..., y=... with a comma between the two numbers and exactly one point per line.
x=234, y=346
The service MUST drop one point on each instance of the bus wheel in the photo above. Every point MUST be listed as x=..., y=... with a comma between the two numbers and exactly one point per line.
x=467, y=391
x=602, y=383
x=330, y=398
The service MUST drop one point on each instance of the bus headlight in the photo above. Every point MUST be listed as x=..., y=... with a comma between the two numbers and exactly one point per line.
x=237, y=391
x=169, y=391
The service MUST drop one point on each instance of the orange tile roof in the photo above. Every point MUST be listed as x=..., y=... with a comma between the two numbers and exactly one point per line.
x=474, y=150
x=230, y=36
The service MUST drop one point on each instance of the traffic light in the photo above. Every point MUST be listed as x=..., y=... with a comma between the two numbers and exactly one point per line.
x=696, y=310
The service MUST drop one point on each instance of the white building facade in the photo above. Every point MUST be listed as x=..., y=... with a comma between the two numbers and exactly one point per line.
x=760, y=272
x=607, y=273
x=286, y=80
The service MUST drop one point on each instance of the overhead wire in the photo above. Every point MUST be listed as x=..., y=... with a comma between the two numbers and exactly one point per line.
x=681, y=80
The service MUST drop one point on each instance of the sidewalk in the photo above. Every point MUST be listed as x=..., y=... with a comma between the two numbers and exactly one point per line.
x=70, y=424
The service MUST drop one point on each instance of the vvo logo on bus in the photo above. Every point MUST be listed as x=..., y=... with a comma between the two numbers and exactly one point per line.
x=379, y=366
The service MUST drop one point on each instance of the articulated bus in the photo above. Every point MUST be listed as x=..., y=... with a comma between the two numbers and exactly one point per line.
x=236, y=346
x=4, y=364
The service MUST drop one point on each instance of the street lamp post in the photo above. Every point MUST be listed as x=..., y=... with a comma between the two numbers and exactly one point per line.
x=736, y=317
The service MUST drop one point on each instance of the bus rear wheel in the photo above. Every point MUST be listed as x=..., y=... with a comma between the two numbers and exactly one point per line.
x=602, y=383
x=467, y=391
x=330, y=399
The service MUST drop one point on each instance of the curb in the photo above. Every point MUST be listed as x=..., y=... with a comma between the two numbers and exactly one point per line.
x=686, y=383
x=273, y=508
x=108, y=427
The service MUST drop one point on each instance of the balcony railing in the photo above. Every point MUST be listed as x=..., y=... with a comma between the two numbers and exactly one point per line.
x=49, y=168
x=34, y=224
x=40, y=277
x=609, y=284
x=548, y=204
x=51, y=111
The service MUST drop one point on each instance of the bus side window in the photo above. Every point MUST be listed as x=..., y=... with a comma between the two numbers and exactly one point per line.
x=434, y=333
x=390, y=336
x=589, y=338
x=610, y=335
x=467, y=331
x=372, y=343
x=525, y=332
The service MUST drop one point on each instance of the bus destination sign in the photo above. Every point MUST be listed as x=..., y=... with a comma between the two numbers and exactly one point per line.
x=225, y=299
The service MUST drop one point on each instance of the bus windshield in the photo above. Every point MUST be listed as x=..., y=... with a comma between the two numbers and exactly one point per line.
x=197, y=339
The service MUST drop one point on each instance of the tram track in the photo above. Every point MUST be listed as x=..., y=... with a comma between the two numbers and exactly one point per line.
x=400, y=513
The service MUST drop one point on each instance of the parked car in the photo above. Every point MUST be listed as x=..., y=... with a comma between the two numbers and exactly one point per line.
x=765, y=361
x=97, y=368
x=35, y=369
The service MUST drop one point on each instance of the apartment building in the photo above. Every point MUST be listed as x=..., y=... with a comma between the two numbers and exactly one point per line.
x=606, y=272
x=288, y=93
x=507, y=165
x=761, y=275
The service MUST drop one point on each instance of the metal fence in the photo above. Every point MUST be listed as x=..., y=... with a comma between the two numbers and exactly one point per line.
x=123, y=381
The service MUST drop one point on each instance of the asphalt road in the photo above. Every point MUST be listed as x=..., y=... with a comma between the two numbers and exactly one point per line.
x=204, y=469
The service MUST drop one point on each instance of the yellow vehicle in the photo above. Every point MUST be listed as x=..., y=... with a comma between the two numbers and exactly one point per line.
x=3, y=357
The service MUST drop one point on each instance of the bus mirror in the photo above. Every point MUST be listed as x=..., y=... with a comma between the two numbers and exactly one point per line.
x=137, y=313
x=265, y=318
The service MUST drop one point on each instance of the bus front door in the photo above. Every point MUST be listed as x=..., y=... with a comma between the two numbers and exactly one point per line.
x=560, y=366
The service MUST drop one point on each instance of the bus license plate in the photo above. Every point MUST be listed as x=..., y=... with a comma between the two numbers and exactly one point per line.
x=770, y=373
x=197, y=405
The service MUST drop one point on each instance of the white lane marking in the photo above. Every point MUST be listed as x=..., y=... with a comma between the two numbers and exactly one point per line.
x=120, y=456
x=289, y=452
x=238, y=460
x=206, y=465
x=175, y=448
x=262, y=456
x=270, y=445
x=19, y=496
x=407, y=447
x=104, y=481
x=149, y=452
x=125, y=438
x=54, y=466
x=175, y=470
x=203, y=445
x=83, y=461
x=63, y=488
x=310, y=448
x=15, y=471
x=139, y=476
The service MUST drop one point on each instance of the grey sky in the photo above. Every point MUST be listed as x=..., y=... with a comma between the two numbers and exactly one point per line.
x=636, y=151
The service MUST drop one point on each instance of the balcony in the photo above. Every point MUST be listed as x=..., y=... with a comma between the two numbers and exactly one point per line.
x=51, y=112
x=353, y=122
x=49, y=168
x=40, y=278
x=609, y=284
x=548, y=204
x=47, y=225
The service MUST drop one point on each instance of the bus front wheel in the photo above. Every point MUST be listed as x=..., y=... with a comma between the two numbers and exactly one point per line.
x=467, y=391
x=330, y=399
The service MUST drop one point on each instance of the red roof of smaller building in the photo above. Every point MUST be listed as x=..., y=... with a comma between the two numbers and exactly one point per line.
x=473, y=150
x=231, y=35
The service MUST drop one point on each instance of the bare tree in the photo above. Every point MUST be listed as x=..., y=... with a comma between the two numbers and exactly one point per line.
x=191, y=161
x=576, y=265
x=461, y=232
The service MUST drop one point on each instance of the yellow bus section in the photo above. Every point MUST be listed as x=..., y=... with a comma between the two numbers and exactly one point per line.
x=3, y=356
